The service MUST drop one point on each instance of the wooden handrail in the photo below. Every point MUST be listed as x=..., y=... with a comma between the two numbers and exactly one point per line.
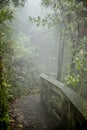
x=56, y=95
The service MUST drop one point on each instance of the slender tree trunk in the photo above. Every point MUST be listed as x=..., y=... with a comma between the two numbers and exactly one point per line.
x=60, y=54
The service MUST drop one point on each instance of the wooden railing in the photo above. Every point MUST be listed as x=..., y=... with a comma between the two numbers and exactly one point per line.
x=67, y=109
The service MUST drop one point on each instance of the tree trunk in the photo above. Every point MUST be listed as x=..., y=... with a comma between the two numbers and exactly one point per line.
x=60, y=54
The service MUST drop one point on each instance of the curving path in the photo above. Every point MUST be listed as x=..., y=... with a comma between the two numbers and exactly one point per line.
x=29, y=114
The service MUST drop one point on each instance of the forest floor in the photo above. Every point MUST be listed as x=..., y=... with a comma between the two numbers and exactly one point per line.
x=29, y=114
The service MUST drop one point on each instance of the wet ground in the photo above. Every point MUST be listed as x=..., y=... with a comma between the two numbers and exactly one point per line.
x=29, y=114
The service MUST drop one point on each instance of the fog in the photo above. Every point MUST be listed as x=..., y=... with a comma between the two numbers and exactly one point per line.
x=42, y=38
x=43, y=65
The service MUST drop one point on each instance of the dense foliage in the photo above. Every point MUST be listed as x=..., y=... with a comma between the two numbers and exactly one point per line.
x=72, y=16
x=5, y=16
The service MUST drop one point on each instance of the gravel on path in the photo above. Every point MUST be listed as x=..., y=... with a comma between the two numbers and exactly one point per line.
x=29, y=114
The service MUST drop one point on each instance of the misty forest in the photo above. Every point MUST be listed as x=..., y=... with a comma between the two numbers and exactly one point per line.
x=43, y=64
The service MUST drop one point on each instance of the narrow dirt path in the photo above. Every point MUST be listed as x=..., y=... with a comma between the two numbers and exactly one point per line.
x=29, y=114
